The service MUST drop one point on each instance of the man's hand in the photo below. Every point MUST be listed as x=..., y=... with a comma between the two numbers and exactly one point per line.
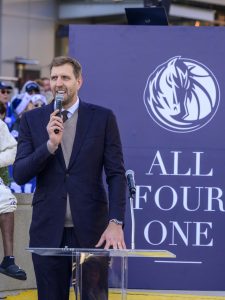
x=55, y=122
x=113, y=237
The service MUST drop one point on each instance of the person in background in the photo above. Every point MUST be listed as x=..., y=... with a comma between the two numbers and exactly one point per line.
x=19, y=106
x=68, y=156
x=47, y=89
x=2, y=111
x=31, y=88
x=31, y=98
x=40, y=83
x=8, y=204
x=38, y=100
x=5, y=97
x=46, y=84
x=5, y=91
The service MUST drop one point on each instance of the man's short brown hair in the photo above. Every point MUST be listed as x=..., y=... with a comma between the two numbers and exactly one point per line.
x=62, y=60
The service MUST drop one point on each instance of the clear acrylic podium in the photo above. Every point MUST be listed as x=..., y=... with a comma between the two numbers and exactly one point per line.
x=98, y=273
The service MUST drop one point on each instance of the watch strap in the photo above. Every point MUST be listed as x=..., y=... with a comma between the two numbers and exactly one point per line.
x=116, y=221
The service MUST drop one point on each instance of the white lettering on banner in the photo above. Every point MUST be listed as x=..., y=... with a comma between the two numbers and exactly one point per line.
x=138, y=195
x=177, y=160
x=198, y=165
x=174, y=233
x=162, y=237
x=191, y=198
x=173, y=198
x=166, y=198
x=199, y=233
x=217, y=197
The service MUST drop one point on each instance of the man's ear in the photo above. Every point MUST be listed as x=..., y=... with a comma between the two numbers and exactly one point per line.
x=79, y=82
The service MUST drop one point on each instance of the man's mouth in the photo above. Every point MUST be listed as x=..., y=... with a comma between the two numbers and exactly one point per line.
x=61, y=91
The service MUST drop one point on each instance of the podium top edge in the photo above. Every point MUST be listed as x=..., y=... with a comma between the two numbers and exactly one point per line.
x=101, y=252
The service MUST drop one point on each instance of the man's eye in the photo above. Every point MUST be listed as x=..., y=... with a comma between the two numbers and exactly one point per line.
x=53, y=78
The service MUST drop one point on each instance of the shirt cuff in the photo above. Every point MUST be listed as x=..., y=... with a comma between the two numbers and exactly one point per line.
x=51, y=148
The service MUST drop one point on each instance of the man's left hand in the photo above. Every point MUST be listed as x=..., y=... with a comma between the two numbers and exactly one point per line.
x=113, y=237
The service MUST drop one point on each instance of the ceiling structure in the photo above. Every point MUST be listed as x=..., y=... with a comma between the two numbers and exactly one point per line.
x=181, y=12
x=211, y=12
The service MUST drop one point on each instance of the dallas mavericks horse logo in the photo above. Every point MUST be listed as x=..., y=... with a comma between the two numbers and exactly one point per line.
x=182, y=95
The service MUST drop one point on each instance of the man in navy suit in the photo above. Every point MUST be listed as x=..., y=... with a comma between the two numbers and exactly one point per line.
x=70, y=206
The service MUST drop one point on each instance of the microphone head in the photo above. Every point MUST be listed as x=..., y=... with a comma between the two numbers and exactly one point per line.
x=129, y=172
x=58, y=101
x=59, y=96
x=58, y=105
x=131, y=182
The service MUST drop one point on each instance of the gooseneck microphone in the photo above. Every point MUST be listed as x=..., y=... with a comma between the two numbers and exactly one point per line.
x=58, y=105
x=131, y=182
x=132, y=192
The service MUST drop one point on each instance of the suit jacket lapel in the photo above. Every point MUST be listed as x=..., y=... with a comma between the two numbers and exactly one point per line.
x=85, y=114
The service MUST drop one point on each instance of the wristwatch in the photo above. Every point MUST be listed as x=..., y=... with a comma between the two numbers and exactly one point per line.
x=116, y=221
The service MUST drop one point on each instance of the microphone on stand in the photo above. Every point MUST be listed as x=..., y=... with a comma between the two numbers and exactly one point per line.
x=132, y=192
x=58, y=105
x=131, y=182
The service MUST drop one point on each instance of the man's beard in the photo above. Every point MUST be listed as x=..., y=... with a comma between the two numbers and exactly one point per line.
x=68, y=100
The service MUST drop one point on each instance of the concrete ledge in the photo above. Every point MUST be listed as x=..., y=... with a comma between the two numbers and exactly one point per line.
x=21, y=242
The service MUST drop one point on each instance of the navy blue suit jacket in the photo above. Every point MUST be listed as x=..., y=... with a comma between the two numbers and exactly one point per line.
x=96, y=146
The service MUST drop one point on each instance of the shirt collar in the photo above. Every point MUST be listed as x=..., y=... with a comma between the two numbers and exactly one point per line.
x=73, y=108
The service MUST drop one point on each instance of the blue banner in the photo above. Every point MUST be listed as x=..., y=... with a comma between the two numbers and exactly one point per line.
x=166, y=87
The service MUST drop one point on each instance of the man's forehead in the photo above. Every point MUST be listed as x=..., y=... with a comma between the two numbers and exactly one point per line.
x=62, y=70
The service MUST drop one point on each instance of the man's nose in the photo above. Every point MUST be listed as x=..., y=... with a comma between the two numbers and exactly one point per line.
x=59, y=81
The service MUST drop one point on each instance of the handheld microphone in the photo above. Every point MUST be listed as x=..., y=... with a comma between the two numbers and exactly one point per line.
x=131, y=182
x=58, y=105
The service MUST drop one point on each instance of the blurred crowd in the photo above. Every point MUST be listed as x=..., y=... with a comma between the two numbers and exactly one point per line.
x=33, y=94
